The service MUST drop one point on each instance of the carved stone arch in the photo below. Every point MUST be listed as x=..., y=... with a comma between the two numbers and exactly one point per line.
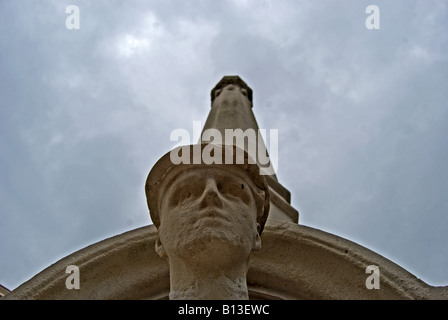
x=295, y=262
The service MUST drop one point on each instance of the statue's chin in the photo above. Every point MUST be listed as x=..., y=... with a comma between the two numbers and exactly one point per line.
x=213, y=245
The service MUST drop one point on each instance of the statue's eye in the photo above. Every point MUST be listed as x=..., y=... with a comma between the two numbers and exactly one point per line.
x=217, y=93
x=244, y=92
x=181, y=197
x=242, y=186
x=229, y=189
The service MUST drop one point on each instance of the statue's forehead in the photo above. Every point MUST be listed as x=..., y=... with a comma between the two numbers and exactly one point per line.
x=204, y=171
x=186, y=174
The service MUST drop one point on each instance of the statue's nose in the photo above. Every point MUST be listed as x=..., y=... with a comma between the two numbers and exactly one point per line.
x=211, y=195
x=230, y=87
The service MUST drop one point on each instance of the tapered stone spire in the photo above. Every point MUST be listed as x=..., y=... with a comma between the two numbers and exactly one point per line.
x=231, y=108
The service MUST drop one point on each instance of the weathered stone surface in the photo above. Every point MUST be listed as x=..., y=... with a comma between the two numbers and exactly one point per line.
x=232, y=109
x=199, y=155
x=295, y=262
x=209, y=218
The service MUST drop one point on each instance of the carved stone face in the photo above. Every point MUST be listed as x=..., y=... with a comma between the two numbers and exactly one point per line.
x=209, y=213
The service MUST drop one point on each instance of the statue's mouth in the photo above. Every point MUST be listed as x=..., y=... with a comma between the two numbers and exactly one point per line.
x=213, y=214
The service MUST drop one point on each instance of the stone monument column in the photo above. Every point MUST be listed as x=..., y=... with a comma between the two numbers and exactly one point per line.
x=232, y=108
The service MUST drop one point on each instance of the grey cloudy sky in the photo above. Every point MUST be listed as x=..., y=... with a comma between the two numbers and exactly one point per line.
x=362, y=116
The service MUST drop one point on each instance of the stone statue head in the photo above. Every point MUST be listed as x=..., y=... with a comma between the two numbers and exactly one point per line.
x=207, y=214
x=207, y=200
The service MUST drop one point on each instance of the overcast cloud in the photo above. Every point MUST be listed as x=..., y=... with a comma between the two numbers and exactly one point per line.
x=362, y=116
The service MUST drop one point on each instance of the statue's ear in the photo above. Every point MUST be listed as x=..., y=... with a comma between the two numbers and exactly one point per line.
x=257, y=244
x=159, y=248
